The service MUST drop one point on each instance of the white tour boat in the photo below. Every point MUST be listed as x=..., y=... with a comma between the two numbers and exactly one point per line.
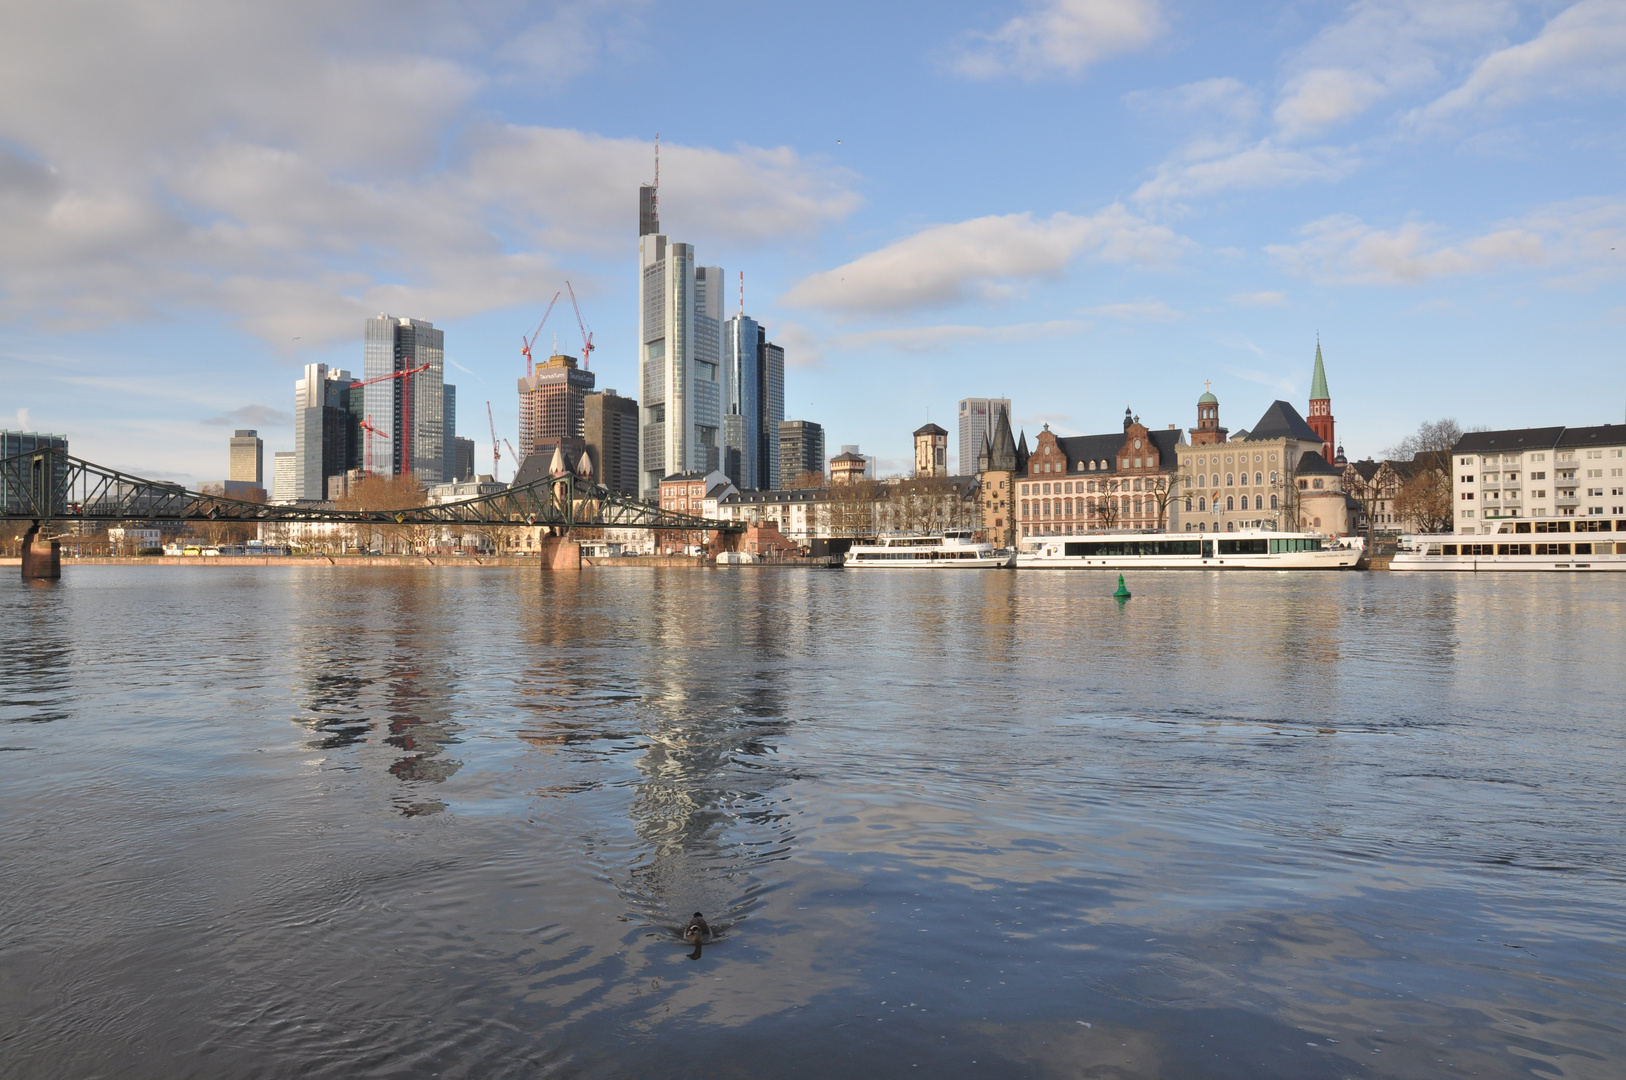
x=1580, y=544
x=1245, y=549
x=953, y=549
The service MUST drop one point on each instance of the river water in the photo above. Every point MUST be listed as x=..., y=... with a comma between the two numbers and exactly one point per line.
x=357, y=822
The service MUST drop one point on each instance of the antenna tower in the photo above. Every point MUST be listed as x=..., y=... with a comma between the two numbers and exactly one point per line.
x=655, y=196
x=742, y=294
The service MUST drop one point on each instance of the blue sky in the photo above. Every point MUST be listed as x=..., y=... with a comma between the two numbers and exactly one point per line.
x=1078, y=204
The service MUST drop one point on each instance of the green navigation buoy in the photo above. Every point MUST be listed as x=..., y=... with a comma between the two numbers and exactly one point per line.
x=1122, y=593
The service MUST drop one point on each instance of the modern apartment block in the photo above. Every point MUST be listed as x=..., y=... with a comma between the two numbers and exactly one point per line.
x=1538, y=472
x=247, y=464
x=552, y=404
x=680, y=321
x=408, y=412
x=753, y=403
x=977, y=417
x=327, y=430
x=801, y=450
x=611, y=431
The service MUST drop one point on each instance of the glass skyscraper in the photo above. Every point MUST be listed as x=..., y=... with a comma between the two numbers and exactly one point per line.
x=411, y=418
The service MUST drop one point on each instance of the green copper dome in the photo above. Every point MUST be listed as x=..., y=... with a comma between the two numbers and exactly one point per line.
x=1208, y=399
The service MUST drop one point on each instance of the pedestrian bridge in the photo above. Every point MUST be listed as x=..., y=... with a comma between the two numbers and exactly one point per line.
x=49, y=486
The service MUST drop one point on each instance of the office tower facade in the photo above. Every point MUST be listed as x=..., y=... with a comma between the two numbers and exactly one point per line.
x=977, y=417
x=283, y=476
x=463, y=458
x=552, y=404
x=753, y=403
x=801, y=450
x=448, y=430
x=612, y=441
x=247, y=464
x=679, y=356
x=409, y=411
x=325, y=430
x=13, y=443
x=742, y=402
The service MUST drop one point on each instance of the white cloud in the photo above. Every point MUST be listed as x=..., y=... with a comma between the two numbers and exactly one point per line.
x=1138, y=311
x=323, y=173
x=981, y=258
x=1260, y=299
x=1583, y=49
x=1207, y=168
x=255, y=416
x=1226, y=99
x=1342, y=249
x=22, y=420
x=1063, y=36
x=936, y=339
x=1382, y=48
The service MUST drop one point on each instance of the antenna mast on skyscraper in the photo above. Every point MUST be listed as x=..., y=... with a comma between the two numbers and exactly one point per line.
x=655, y=196
x=742, y=294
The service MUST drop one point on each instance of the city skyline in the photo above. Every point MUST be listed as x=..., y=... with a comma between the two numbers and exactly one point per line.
x=1085, y=203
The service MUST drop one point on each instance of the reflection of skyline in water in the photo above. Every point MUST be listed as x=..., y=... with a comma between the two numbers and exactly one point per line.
x=376, y=665
x=706, y=809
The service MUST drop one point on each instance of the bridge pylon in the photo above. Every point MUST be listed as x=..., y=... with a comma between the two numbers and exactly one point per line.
x=42, y=556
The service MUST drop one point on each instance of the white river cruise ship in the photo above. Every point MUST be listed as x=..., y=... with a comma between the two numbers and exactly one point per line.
x=1563, y=544
x=1245, y=549
x=953, y=549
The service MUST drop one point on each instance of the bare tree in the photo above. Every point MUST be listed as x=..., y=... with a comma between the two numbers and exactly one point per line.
x=1104, y=508
x=1426, y=498
x=812, y=478
x=1161, y=492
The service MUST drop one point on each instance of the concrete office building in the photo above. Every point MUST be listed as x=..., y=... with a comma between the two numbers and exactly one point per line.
x=977, y=418
x=327, y=430
x=552, y=405
x=247, y=465
x=801, y=451
x=284, y=476
x=611, y=431
x=13, y=443
x=680, y=309
x=409, y=411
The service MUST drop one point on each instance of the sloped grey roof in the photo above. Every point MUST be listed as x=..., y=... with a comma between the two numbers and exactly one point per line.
x=1481, y=442
x=1281, y=421
x=1313, y=464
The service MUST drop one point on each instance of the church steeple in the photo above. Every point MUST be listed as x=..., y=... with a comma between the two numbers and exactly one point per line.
x=1320, y=418
x=1318, y=381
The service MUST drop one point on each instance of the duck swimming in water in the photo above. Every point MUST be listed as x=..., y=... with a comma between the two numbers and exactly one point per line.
x=697, y=930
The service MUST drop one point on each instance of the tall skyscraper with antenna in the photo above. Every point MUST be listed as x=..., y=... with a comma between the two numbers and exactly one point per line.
x=680, y=333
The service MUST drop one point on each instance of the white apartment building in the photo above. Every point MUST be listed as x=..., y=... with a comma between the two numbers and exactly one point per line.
x=1538, y=472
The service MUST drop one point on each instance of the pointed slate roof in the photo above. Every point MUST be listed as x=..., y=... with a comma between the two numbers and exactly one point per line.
x=1022, y=454
x=1311, y=463
x=1002, y=449
x=1282, y=421
x=1318, y=382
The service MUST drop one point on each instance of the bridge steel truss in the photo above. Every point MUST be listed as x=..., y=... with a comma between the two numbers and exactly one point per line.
x=48, y=485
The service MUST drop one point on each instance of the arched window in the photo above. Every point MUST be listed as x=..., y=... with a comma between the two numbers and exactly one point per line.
x=1230, y=480
x=1188, y=524
x=1273, y=473
x=1273, y=502
x=1258, y=478
x=1188, y=506
x=1067, y=508
x=1230, y=526
x=1258, y=502
x=1202, y=503
x=1230, y=503
x=1216, y=479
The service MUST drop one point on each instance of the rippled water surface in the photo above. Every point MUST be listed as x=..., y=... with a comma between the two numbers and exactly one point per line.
x=357, y=822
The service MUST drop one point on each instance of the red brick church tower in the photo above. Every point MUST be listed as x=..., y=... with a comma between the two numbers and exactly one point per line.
x=1320, y=418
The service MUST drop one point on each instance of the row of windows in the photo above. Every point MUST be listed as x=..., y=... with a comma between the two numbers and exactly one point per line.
x=1092, y=486
x=1229, y=459
x=1230, y=479
x=1066, y=507
x=1258, y=503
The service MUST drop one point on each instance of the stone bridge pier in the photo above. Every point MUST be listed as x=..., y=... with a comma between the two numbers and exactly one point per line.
x=42, y=558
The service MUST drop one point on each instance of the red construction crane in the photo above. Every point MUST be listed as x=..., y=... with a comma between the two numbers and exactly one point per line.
x=525, y=348
x=406, y=417
x=367, y=426
x=513, y=455
x=587, y=338
x=496, y=451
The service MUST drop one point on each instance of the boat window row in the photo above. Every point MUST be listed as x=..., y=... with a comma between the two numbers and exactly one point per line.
x=1582, y=525
x=1533, y=549
x=882, y=556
